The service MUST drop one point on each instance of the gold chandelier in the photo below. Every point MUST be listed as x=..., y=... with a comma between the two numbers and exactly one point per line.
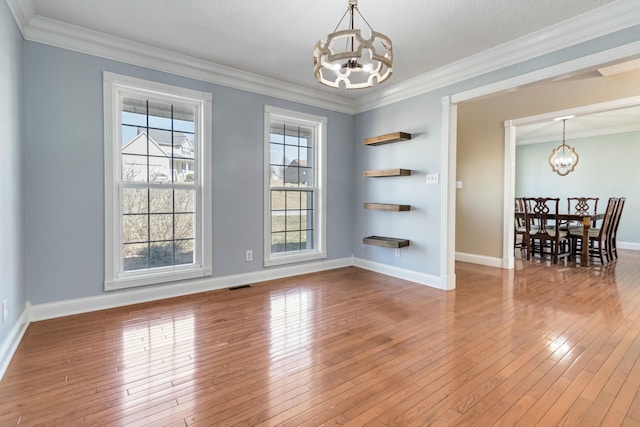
x=350, y=60
x=564, y=158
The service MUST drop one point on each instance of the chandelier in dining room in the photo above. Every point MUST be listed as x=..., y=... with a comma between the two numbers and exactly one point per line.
x=564, y=158
x=352, y=58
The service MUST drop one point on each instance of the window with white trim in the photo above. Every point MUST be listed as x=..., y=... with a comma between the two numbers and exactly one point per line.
x=295, y=179
x=157, y=193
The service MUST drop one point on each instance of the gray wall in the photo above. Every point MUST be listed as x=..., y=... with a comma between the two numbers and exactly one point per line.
x=607, y=168
x=64, y=202
x=63, y=176
x=11, y=250
x=421, y=117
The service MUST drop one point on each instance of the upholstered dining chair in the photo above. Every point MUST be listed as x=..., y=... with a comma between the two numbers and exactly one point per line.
x=599, y=237
x=541, y=218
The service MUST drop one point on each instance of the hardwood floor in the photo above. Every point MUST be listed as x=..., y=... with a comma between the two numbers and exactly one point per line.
x=541, y=345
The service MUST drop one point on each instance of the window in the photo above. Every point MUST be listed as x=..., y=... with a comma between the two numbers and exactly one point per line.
x=294, y=186
x=157, y=217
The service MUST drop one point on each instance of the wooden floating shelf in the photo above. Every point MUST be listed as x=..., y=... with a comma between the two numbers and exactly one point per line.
x=388, y=172
x=388, y=138
x=386, y=207
x=387, y=242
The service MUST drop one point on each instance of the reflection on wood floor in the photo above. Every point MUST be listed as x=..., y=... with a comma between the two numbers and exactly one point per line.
x=541, y=345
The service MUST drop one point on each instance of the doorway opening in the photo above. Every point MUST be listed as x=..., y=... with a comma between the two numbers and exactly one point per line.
x=449, y=148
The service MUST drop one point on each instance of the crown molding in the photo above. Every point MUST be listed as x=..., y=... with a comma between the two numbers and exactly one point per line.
x=632, y=101
x=23, y=13
x=602, y=131
x=584, y=110
x=562, y=69
x=598, y=22
x=66, y=36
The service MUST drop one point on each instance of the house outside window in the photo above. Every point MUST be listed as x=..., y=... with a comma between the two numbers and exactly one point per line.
x=295, y=181
x=157, y=221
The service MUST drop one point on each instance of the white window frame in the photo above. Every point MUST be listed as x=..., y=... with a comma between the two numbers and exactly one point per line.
x=115, y=86
x=319, y=126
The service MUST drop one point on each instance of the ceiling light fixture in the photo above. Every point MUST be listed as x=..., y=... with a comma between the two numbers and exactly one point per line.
x=563, y=159
x=357, y=63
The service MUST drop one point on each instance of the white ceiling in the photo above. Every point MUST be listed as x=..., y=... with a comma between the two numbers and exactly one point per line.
x=266, y=46
x=581, y=126
x=275, y=38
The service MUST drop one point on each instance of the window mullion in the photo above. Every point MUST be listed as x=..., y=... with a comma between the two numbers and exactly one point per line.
x=173, y=193
x=148, y=255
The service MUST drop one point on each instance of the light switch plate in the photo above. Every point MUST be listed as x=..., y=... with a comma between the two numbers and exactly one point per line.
x=433, y=178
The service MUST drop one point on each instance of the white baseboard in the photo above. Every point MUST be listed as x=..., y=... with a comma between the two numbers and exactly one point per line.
x=135, y=296
x=36, y=312
x=509, y=263
x=480, y=259
x=121, y=298
x=10, y=345
x=628, y=245
x=401, y=273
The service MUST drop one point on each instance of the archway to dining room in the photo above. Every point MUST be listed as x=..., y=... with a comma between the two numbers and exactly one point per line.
x=490, y=179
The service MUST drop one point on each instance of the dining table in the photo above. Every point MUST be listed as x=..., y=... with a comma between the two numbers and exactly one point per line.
x=586, y=220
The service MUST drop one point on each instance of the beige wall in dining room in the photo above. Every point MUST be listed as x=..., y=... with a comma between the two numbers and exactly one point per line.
x=480, y=151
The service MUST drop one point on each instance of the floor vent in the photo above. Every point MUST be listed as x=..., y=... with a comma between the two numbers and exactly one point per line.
x=233, y=288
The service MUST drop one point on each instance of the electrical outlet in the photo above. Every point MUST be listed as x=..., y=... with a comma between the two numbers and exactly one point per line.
x=248, y=255
x=397, y=252
x=5, y=310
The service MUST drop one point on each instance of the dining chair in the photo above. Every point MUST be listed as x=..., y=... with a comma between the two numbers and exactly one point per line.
x=612, y=236
x=541, y=217
x=581, y=206
x=599, y=237
x=520, y=230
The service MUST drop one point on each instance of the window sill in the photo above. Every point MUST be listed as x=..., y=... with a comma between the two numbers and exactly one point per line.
x=292, y=258
x=134, y=279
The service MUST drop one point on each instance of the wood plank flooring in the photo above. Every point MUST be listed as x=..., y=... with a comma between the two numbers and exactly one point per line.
x=541, y=345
